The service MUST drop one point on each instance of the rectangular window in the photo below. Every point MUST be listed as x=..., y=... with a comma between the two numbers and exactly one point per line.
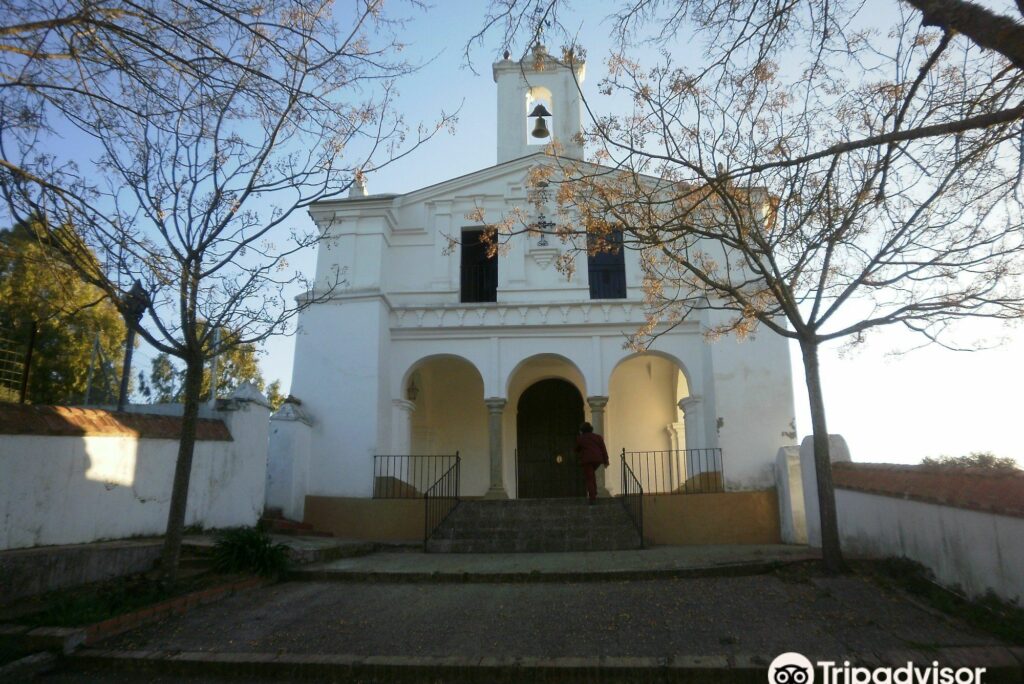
x=479, y=271
x=607, y=270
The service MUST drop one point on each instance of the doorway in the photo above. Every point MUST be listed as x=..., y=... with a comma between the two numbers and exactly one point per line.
x=548, y=419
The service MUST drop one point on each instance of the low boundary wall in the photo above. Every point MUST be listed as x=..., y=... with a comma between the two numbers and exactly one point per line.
x=71, y=476
x=965, y=525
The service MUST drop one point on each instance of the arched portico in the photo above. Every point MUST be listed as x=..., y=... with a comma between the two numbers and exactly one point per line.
x=652, y=409
x=441, y=410
x=548, y=416
x=549, y=382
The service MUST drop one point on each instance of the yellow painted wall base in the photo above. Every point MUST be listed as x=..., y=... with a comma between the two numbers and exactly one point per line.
x=368, y=519
x=723, y=518
x=671, y=519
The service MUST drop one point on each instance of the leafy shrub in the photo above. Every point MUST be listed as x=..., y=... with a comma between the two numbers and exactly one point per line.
x=249, y=549
x=975, y=459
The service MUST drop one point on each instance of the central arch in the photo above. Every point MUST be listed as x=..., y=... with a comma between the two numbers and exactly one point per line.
x=548, y=418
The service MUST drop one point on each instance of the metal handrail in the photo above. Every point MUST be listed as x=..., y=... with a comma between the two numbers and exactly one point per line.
x=678, y=471
x=633, y=498
x=404, y=476
x=440, y=500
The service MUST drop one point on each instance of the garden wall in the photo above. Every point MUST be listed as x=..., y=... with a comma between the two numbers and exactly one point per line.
x=70, y=475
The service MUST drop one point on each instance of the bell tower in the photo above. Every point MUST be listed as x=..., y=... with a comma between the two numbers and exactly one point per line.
x=538, y=80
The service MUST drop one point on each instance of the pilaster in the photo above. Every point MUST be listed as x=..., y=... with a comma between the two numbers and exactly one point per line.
x=597, y=406
x=495, y=412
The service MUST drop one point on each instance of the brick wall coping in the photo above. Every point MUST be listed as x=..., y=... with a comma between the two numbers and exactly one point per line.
x=67, y=421
x=976, y=489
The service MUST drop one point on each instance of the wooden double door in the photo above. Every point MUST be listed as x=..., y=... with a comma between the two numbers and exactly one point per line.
x=549, y=415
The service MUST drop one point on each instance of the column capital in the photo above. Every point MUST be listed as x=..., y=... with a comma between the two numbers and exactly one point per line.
x=597, y=402
x=689, y=402
x=404, y=405
x=495, y=404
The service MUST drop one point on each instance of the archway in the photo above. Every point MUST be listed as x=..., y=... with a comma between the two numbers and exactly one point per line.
x=645, y=418
x=548, y=417
x=442, y=411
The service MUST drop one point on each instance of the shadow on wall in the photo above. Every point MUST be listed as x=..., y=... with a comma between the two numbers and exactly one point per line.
x=74, y=475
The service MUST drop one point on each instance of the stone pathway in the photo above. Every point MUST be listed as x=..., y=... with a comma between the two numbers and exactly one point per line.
x=657, y=562
x=660, y=628
x=731, y=615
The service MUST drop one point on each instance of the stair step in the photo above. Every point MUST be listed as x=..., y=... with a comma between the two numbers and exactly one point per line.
x=535, y=525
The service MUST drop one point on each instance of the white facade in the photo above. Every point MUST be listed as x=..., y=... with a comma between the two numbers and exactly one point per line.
x=398, y=322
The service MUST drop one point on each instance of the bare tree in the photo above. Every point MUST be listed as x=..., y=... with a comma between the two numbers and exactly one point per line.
x=743, y=38
x=179, y=138
x=874, y=183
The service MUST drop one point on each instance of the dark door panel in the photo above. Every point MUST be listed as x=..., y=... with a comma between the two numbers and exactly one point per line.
x=549, y=416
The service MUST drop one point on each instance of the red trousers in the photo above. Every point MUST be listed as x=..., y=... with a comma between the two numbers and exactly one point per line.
x=588, y=477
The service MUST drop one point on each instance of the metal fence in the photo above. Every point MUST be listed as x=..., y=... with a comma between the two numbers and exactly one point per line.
x=408, y=477
x=440, y=500
x=677, y=471
x=12, y=367
x=633, y=497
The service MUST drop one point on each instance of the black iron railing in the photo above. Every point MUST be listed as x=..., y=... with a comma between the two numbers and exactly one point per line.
x=678, y=471
x=12, y=368
x=607, y=281
x=440, y=500
x=408, y=477
x=479, y=283
x=633, y=497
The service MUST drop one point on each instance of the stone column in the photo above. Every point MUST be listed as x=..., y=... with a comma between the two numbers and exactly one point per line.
x=496, y=413
x=693, y=426
x=597, y=405
x=677, y=462
x=401, y=434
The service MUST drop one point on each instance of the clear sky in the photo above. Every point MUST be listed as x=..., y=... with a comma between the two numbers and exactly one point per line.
x=927, y=402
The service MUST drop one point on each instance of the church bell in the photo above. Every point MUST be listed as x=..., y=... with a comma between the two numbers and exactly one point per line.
x=540, y=129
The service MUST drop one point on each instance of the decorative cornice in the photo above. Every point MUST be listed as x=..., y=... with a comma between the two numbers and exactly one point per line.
x=516, y=315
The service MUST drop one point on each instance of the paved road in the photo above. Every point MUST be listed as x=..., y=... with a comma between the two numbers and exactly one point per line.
x=723, y=615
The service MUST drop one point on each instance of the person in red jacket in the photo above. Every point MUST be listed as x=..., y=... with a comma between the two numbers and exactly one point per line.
x=593, y=454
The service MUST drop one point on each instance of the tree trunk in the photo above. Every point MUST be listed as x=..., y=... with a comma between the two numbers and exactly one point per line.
x=832, y=555
x=182, y=472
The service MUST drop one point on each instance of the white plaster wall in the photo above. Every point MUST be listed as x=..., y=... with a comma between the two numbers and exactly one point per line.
x=72, y=490
x=976, y=551
x=753, y=406
x=288, y=465
x=790, y=489
x=341, y=380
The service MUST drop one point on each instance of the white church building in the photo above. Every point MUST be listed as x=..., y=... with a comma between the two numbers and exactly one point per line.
x=428, y=349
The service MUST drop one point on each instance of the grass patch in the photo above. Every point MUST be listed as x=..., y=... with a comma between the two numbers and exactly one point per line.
x=988, y=613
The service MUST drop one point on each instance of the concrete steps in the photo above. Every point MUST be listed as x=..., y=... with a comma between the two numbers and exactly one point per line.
x=535, y=526
x=274, y=522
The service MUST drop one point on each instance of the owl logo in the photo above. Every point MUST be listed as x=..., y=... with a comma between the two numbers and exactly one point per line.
x=791, y=668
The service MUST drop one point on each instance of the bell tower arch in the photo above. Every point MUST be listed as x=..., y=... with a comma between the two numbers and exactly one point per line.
x=539, y=79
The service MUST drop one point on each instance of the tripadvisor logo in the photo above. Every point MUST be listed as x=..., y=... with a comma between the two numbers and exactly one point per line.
x=793, y=668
